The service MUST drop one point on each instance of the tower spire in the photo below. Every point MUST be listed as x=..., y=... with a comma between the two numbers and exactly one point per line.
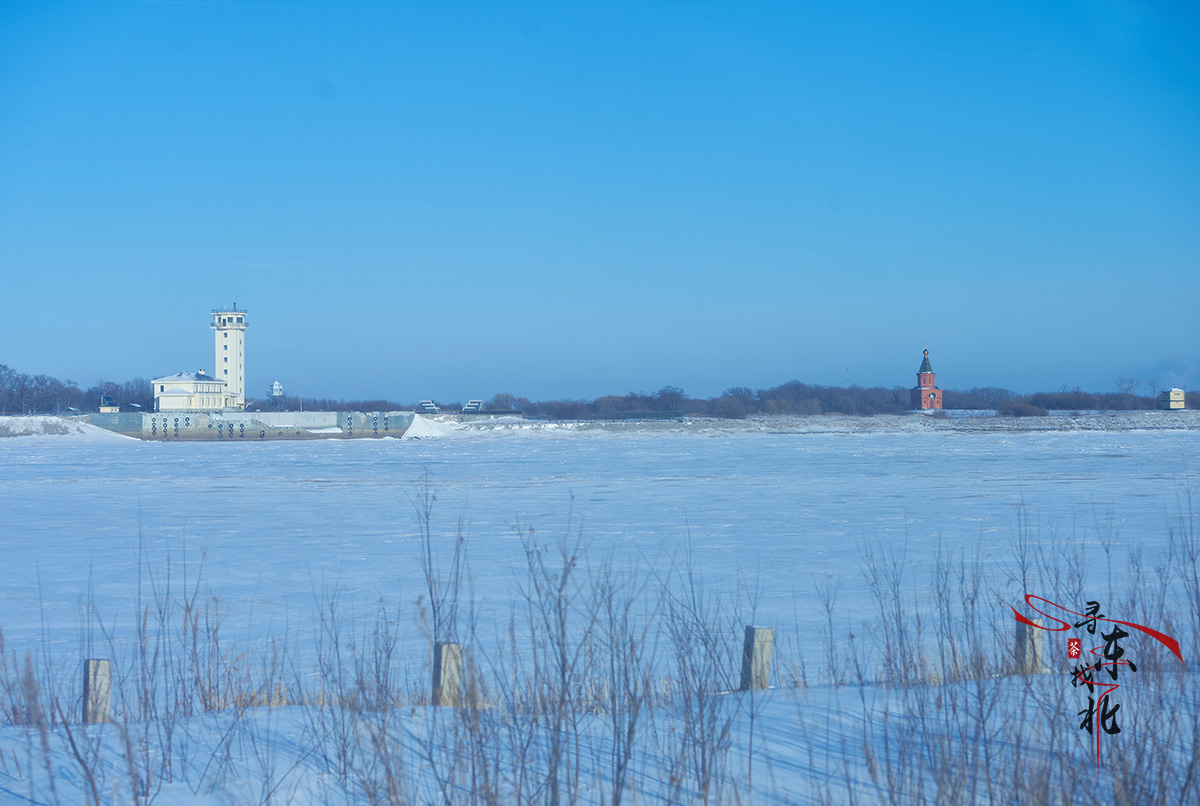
x=925, y=365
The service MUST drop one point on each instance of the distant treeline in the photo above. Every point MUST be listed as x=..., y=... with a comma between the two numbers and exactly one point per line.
x=795, y=397
x=792, y=397
x=42, y=394
x=291, y=403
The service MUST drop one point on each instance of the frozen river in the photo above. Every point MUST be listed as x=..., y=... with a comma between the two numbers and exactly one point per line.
x=272, y=523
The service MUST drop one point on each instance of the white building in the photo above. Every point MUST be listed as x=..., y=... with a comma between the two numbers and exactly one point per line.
x=229, y=328
x=1173, y=398
x=190, y=391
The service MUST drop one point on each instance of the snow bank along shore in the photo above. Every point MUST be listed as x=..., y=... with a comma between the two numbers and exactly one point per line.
x=432, y=427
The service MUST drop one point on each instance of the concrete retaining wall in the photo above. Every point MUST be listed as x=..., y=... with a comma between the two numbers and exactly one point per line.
x=257, y=425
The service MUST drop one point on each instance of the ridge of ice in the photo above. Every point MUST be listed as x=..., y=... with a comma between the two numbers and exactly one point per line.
x=50, y=426
x=421, y=428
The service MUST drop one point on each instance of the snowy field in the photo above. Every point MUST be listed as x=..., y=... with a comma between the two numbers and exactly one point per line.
x=274, y=521
x=280, y=538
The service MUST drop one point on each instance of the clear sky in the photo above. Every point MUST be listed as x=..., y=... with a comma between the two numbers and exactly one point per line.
x=450, y=199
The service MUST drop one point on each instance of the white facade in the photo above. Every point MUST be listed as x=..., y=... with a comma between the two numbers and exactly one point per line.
x=1174, y=398
x=190, y=391
x=229, y=327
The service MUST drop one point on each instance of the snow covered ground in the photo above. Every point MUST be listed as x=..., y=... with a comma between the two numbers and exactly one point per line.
x=44, y=425
x=770, y=512
x=781, y=501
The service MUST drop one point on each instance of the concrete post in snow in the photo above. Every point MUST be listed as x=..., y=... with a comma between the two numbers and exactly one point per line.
x=447, y=674
x=97, y=691
x=756, y=658
x=1030, y=641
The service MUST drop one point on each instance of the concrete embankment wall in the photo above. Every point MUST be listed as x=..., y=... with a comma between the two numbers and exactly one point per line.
x=257, y=425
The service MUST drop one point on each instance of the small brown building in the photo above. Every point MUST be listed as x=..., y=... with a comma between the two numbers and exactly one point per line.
x=926, y=395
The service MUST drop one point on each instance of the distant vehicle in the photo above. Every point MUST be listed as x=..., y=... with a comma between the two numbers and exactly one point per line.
x=472, y=406
x=427, y=407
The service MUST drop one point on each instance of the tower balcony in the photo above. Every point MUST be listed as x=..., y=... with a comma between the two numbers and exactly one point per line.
x=230, y=320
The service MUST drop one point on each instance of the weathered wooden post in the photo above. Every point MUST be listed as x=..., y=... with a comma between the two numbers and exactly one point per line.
x=1030, y=641
x=97, y=691
x=447, y=674
x=756, y=658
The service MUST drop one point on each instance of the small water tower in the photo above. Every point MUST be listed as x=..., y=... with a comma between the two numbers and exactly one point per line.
x=275, y=396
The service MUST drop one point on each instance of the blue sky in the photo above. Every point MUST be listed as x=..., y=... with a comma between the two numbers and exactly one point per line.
x=453, y=199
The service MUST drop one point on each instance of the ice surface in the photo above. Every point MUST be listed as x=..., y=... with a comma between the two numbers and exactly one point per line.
x=772, y=505
x=269, y=521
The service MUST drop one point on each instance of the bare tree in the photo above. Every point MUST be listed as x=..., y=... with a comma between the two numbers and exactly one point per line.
x=1127, y=388
x=502, y=401
x=443, y=590
x=670, y=397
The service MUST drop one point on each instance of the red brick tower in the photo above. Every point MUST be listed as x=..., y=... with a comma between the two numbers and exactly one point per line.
x=926, y=395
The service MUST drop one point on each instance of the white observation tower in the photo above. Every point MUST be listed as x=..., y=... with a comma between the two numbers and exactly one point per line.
x=229, y=327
